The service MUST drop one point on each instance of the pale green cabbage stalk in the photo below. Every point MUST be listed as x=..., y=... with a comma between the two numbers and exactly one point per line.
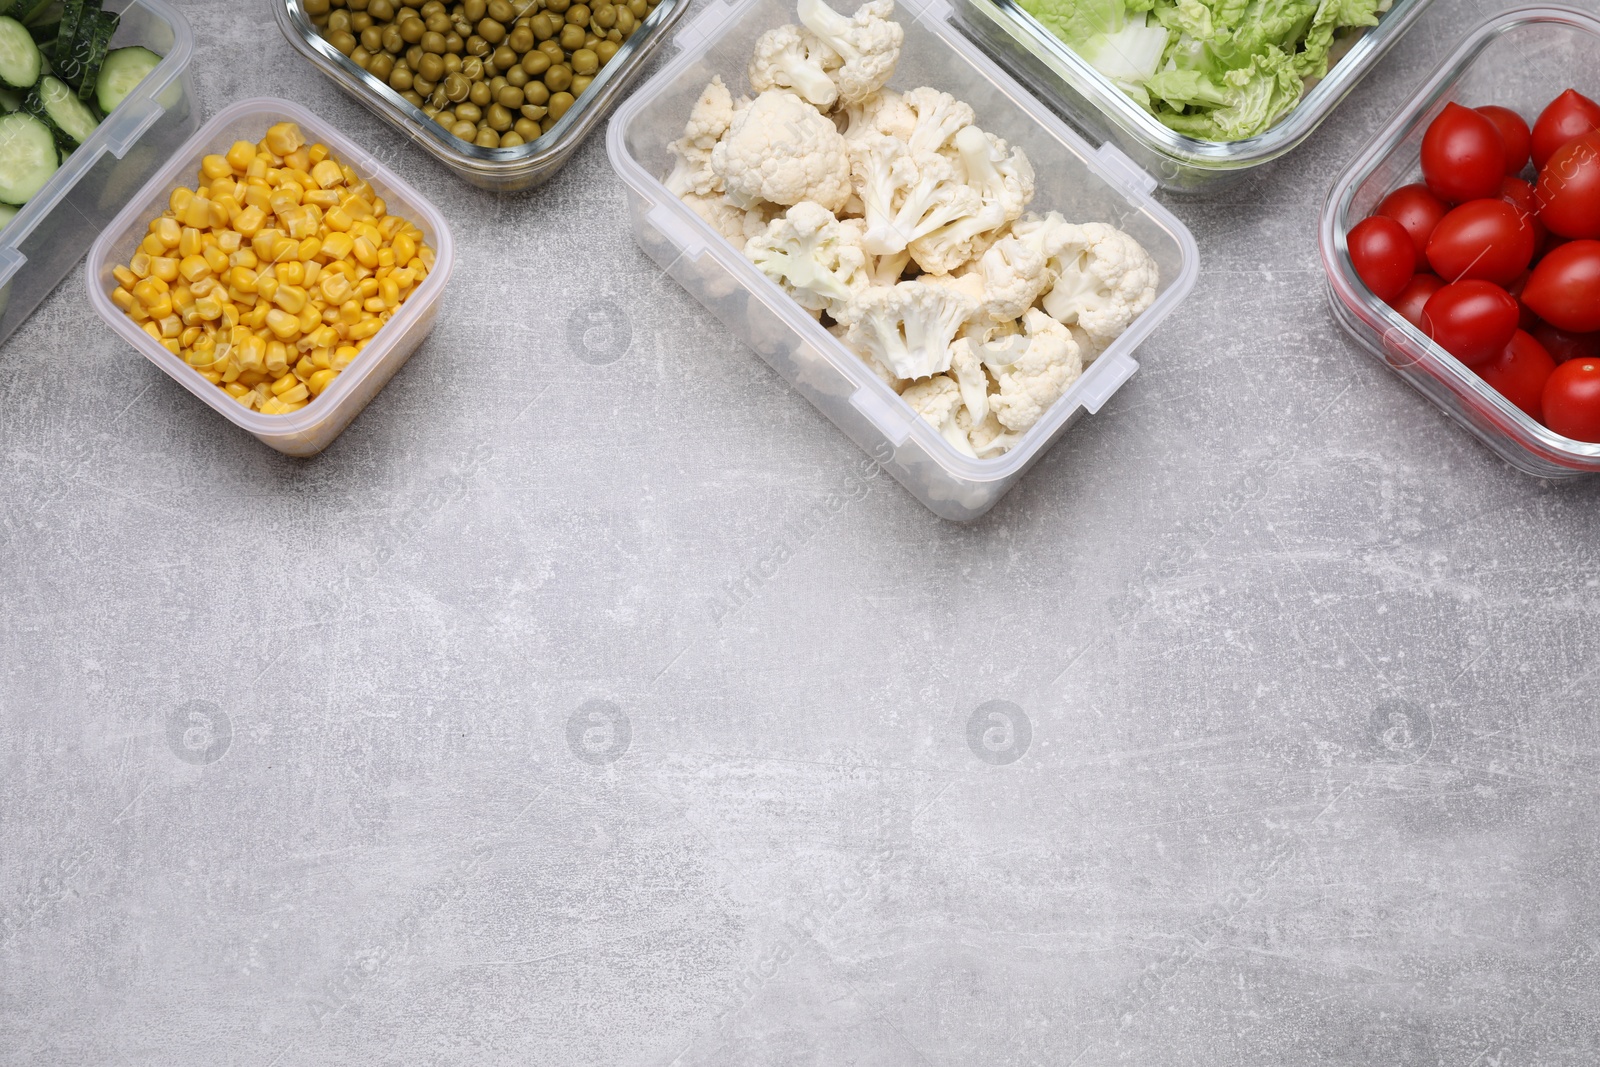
x=1217, y=70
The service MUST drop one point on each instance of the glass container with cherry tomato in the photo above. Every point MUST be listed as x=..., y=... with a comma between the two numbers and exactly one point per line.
x=1463, y=245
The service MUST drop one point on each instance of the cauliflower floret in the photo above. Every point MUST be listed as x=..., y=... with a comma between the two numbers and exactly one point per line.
x=1002, y=186
x=812, y=256
x=938, y=117
x=691, y=153
x=938, y=400
x=885, y=111
x=723, y=216
x=842, y=331
x=886, y=269
x=783, y=150
x=908, y=326
x=789, y=57
x=1103, y=278
x=905, y=196
x=868, y=42
x=1014, y=273
x=1032, y=371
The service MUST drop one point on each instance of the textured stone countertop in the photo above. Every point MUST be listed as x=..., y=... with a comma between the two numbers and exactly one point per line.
x=445, y=748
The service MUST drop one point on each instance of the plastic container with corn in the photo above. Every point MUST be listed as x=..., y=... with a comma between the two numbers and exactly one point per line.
x=272, y=275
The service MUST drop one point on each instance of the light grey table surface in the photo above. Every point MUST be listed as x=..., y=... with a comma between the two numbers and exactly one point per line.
x=445, y=747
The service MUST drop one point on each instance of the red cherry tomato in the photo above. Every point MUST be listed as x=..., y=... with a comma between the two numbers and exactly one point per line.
x=1486, y=239
x=1472, y=320
x=1569, y=115
x=1520, y=195
x=1519, y=373
x=1572, y=400
x=1419, y=211
x=1563, y=345
x=1568, y=192
x=1414, y=297
x=1514, y=134
x=1463, y=157
x=1383, y=255
x=1564, y=289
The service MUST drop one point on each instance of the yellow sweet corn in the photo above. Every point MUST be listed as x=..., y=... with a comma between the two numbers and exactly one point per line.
x=272, y=275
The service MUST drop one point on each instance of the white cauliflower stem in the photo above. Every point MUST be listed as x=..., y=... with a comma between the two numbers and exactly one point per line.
x=909, y=326
x=788, y=57
x=783, y=150
x=868, y=42
x=816, y=259
x=691, y=154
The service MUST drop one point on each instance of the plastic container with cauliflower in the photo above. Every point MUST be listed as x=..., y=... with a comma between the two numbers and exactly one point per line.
x=928, y=455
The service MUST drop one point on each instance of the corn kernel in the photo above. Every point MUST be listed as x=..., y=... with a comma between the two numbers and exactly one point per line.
x=237, y=391
x=194, y=267
x=215, y=258
x=319, y=152
x=189, y=336
x=243, y=279
x=284, y=384
x=171, y=346
x=250, y=221
x=327, y=174
x=313, y=273
x=404, y=277
x=245, y=257
x=372, y=304
x=386, y=258
x=321, y=380
x=404, y=248
x=125, y=277
x=295, y=395
x=284, y=138
x=160, y=308
x=367, y=287
x=271, y=406
x=153, y=330
x=290, y=298
x=140, y=265
x=365, y=328
x=197, y=213
x=344, y=356
x=292, y=272
x=277, y=361
x=267, y=284
x=138, y=314
x=305, y=368
x=285, y=249
x=165, y=268
x=122, y=298
x=169, y=231
x=150, y=290
x=283, y=325
x=213, y=167
x=350, y=312
x=299, y=159
x=241, y=155
x=259, y=196
x=171, y=326
x=179, y=201
x=152, y=246
x=201, y=286
x=310, y=249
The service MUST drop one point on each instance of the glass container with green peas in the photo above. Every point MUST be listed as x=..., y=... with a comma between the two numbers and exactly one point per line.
x=494, y=73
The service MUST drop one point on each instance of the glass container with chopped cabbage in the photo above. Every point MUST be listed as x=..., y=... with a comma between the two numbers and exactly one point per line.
x=1214, y=70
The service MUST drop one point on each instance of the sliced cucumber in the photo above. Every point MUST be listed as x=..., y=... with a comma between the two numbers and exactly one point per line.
x=121, y=73
x=91, y=38
x=44, y=35
x=7, y=213
x=98, y=47
x=54, y=101
x=20, y=61
x=28, y=157
x=71, y=15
